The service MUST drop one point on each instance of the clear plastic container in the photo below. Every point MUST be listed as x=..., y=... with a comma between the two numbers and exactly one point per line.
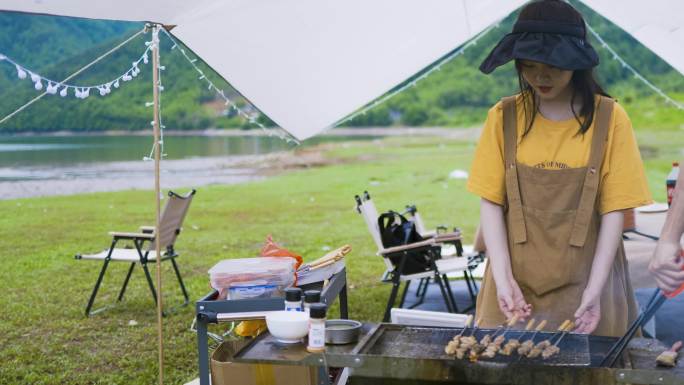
x=267, y=271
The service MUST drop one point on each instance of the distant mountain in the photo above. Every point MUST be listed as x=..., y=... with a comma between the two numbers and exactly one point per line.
x=56, y=47
x=456, y=95
x=459, y=94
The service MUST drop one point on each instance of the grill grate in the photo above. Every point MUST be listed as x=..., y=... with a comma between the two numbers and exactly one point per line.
x=428, y=343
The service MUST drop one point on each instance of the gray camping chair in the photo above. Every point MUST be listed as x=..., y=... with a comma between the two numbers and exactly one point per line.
x=169, y=228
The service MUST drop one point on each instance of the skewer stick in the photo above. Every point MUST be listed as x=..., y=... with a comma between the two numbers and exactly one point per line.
x=567, y=329
x=466, y=325
x=511, y=322
x=561, y=329
x=539, y=328
x=505, y=326
x=475, y=326
x=528, y=327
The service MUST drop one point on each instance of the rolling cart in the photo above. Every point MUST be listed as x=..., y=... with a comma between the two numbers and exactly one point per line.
x=210, y=310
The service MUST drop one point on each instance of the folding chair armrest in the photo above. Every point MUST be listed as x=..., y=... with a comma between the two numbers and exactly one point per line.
x=448, y=237
x=410, y=247
x=146, y=229
x=122, y=235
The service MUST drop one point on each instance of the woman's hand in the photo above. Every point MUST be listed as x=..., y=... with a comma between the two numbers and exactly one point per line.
x=511, y=300
x=588, y=314
x=667, y=266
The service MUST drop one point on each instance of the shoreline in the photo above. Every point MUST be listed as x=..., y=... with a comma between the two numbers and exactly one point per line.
x=177, y=173
x=448, y=132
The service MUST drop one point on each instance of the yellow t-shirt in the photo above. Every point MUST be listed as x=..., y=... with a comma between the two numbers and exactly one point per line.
x=555, y=145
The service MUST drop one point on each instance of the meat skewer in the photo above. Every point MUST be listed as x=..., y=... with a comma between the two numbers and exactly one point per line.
x=456, y=341
x=538, y=349
x=527, y=346
x=495, y=345
x=554, y=349
x=479, y=347
x=513, y=343
x=466, y=343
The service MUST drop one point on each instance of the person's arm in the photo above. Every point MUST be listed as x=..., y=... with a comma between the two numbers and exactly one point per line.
x=588, y=314
x=666, y=266
x=509, y=295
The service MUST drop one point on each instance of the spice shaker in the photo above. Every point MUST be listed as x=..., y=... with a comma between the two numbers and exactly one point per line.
x=310, y=297
x=293, y=299
x=316, y=328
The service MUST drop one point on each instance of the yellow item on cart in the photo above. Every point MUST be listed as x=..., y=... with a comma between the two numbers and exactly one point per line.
x=251, y=328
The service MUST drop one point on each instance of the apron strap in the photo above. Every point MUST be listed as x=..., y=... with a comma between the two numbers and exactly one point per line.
x=590, y=189
x=515, y=211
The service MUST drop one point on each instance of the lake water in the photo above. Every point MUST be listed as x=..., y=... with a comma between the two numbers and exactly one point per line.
x=22, y=151
x=63, y=165
x=21, y=154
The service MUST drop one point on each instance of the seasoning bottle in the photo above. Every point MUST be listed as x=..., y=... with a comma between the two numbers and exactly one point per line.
x=672, y=182
x=293, y=299
x=316, y=328
x=310, y=297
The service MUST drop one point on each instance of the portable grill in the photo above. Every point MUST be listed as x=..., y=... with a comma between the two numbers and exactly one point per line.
x=428, y=343
x=408, y=354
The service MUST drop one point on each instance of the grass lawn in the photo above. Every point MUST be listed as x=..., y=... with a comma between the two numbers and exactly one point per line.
x=47, y=338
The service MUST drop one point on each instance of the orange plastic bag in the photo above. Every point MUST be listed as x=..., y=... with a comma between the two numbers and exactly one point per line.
x=272, y=249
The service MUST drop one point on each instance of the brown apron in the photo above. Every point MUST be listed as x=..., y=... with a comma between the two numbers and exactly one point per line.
x=552, y=221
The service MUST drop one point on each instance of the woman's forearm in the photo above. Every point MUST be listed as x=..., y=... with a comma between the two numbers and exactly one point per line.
x=496, y=241
x=610, y=234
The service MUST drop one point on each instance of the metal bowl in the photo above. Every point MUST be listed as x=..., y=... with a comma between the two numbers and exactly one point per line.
x=341, y=331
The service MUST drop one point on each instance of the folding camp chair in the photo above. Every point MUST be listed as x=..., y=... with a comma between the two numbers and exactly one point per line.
x=428, y=252
x=169, y=228
x=442, y=235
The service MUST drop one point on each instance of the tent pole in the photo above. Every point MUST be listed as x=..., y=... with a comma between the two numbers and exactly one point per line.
x=157, y=193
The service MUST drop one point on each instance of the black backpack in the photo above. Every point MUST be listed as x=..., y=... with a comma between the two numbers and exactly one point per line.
x=396, y=230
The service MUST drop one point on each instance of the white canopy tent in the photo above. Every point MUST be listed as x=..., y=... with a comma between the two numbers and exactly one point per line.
x=309, y=63
x=304, y=63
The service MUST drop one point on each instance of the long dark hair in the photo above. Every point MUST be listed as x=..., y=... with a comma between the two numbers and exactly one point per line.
x=584, y=85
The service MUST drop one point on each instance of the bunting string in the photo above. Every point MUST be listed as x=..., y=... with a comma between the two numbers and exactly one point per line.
x=81, y=92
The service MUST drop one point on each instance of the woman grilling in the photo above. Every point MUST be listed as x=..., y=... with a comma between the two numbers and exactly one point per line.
x=554, y=166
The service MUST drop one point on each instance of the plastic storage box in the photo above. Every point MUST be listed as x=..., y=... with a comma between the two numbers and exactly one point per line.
x=260, y=277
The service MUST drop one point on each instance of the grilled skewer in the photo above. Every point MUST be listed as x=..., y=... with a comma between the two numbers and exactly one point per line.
x=552, y=350
x=467, y=342
x=453, y=345
x=527, y=346
x=513, y=344
x=538, y=349
x=495, y=345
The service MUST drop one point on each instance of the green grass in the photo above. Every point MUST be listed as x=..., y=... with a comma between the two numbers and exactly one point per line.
x=47, y=339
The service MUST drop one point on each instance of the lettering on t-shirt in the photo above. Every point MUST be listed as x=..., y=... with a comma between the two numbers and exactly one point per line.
x=552, y=164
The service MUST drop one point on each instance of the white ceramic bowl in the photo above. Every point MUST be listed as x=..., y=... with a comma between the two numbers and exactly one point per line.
x=288, y=326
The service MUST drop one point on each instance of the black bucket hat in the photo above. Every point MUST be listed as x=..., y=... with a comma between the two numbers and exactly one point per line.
x=559, y=44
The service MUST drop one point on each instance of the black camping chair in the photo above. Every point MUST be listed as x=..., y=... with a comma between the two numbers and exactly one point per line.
x=170, y=227
x=415, y=261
